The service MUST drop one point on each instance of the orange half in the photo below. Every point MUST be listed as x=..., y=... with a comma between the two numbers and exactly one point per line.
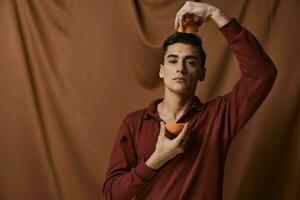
x=190, y=26
x=174, y=128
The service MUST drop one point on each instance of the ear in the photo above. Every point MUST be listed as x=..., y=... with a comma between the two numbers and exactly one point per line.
x=161, y=73
x=202, y=74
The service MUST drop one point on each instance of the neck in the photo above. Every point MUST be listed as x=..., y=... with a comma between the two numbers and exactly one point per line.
x=174, y=105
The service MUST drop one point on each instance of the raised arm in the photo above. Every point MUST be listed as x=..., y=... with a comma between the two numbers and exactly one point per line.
x=258, y=73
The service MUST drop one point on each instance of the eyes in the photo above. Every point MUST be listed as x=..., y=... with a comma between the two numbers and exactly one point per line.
x=172, y=61
x=187, y=62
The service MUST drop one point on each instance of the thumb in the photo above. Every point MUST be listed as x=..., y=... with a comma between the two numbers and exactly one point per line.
x=182, y=135
x=162, y=130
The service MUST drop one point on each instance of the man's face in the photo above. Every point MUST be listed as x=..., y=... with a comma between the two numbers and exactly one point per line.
x=181, y=69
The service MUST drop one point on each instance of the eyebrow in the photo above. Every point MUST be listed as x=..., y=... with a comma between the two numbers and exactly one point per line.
x=172, y=56
x=187, y=57
x=193, y=57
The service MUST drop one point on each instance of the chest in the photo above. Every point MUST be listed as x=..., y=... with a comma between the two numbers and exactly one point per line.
x=147, y=136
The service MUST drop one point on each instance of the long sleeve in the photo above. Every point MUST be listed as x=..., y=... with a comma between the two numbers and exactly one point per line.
x=258, y=75
x=125, y=178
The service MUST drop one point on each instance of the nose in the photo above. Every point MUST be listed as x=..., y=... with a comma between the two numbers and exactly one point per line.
x=181, y=68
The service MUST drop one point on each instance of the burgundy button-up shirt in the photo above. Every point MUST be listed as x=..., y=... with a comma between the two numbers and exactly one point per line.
x=197, y=173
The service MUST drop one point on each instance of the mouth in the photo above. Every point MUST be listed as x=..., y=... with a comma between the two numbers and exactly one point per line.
x=180, y=79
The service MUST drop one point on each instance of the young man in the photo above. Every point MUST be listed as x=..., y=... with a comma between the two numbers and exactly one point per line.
x=145, y=164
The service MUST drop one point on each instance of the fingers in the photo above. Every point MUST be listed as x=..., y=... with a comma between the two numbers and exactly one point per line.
x=183, y=134
x=180, y=18
x=199, y=11
x=176, y=22
x=180, y=15
x=179, y=21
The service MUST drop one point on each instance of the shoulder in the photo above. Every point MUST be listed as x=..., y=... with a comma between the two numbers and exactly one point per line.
x=132, y=121
x=216, y=104
x=136, y=115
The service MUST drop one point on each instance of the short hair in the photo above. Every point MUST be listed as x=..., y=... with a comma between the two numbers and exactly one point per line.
x=186, y=38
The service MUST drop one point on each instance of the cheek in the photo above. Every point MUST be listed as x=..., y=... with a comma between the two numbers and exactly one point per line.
x=168, y=72
x=194, y=75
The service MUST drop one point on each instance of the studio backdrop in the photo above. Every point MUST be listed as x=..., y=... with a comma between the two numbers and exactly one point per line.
x=70, y=70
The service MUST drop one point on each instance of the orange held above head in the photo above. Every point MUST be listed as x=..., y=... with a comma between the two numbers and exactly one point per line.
x=190, y=25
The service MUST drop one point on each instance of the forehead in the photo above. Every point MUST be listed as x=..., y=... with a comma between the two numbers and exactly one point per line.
x=182, y=50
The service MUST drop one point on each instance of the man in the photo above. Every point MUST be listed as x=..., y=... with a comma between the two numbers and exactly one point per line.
x=145, y=164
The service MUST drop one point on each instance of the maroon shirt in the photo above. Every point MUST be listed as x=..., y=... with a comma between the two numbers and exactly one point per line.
x=198, y=172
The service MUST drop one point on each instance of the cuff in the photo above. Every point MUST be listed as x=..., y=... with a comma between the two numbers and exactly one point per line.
x=231, y=29
x=144, y=172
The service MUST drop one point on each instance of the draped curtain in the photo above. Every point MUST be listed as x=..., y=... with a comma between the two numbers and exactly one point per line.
x=71, y=70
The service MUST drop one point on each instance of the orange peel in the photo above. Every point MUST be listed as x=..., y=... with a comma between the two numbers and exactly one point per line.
x=174, y=128
x=189, y=25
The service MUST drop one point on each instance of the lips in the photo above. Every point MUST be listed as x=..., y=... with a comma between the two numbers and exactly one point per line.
x=179, y=78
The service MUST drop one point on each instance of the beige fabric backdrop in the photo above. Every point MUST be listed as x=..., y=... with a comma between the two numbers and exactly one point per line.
x=70, y=70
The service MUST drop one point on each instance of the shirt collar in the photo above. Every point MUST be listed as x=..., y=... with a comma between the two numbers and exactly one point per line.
x=196, y=105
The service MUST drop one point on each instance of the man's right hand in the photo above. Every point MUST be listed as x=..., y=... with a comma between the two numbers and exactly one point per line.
x=167, y=149
x=203, y=11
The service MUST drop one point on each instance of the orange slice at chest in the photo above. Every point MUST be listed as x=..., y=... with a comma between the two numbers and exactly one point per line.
x=174, y=128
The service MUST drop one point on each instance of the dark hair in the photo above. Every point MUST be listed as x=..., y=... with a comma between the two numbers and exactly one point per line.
x=186, y=38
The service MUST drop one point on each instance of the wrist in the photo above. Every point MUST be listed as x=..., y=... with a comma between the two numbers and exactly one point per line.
x=154, y=161
x=219, y=17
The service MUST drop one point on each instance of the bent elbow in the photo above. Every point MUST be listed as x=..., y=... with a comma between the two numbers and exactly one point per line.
x=272, y=74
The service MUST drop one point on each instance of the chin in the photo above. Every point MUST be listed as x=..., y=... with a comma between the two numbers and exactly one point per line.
x=180, y=90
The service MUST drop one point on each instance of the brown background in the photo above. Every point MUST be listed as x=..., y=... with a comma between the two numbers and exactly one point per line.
x=70, y=70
